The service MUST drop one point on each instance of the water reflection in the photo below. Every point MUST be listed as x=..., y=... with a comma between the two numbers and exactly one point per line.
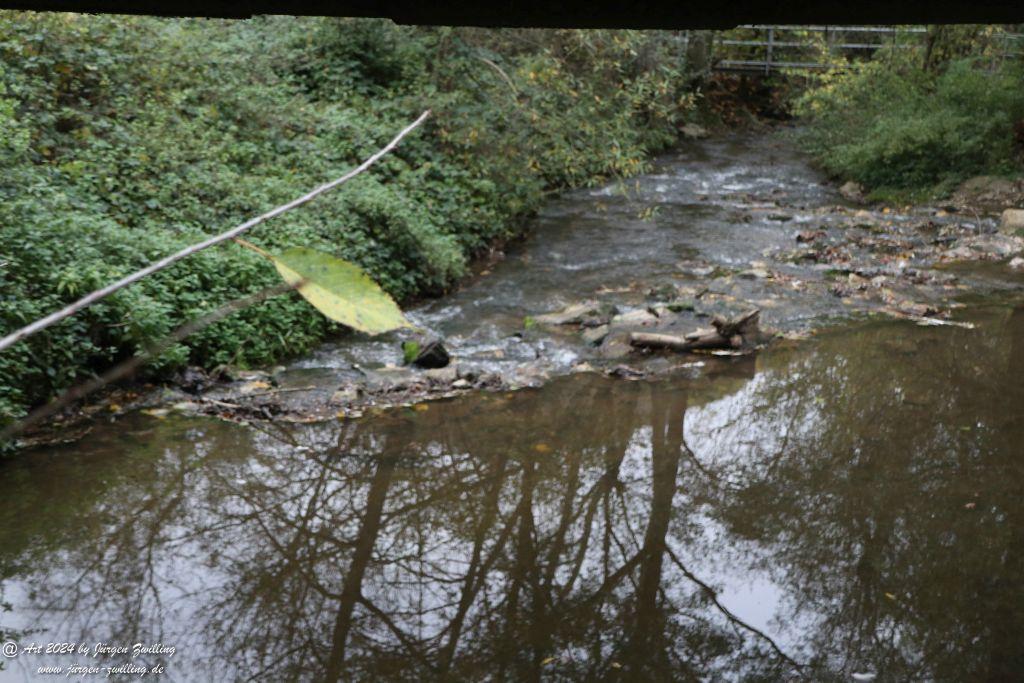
x=849, y=505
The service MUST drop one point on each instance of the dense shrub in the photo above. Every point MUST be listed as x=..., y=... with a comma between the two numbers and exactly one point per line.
x=896, y=126
x=125, y=138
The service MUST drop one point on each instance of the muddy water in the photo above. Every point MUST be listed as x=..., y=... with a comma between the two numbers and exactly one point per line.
x=849, y=504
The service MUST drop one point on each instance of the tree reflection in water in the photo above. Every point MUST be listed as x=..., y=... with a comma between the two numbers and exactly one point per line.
x=852, y=504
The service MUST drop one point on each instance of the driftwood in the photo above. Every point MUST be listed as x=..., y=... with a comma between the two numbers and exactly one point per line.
x=736, y=333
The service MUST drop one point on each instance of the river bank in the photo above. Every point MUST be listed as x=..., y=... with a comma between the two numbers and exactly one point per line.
x=126, y=139
x=719, y=227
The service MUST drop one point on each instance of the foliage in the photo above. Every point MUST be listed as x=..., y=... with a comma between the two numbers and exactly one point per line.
x=891, y=124
x=410, y=350
x=123, y=139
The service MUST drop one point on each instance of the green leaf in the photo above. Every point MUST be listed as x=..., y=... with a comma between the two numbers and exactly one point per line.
x=339, y=289
x=410, y=350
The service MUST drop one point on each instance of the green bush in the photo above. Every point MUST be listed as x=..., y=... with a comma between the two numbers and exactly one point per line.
x=123, y=139
x=897, y=127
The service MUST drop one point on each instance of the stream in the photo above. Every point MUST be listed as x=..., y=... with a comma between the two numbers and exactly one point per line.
x=840, y=507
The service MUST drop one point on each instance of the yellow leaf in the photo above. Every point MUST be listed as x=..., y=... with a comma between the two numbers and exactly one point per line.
x=542, y=448
x=338, y=289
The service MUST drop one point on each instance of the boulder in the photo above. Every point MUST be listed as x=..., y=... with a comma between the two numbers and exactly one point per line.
x=589, y=313
x=442, y=376
x=530, y=376
x=193, y=380
x=345, y=394
x=986, y=185
x=852, y=192
x=615, y=346
x=432, y=355
x=692, y=131
x=810, y=235
x=1017, y=263
x=754, y=274
x=638, y=318
x=390, y=379
x=1012, y=221
x=987, y=194
x=595, y=335
x=237, y=374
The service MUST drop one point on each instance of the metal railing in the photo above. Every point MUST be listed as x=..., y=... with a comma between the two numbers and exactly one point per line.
x=770, y=53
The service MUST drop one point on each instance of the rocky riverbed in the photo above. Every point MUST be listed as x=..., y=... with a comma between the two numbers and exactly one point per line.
x=719, y=227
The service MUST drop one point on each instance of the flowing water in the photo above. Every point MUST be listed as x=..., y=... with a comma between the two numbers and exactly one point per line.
x=852, y=504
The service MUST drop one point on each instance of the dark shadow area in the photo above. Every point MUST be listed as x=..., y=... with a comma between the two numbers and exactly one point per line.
x=571, y=14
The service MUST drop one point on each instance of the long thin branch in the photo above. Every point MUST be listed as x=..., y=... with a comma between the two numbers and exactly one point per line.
x=92, y=298
x=504, y=76
x=713, y=596
x=132, y=364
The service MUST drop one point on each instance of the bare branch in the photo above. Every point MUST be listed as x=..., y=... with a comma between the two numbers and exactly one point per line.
x=504, y=76
x=713, y=596
x=92, y=298
x=129, y=366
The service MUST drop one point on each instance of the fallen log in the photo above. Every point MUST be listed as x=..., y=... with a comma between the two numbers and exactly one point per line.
x=737, y=333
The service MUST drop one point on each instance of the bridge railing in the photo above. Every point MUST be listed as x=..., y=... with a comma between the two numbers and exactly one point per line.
x=763, y=48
